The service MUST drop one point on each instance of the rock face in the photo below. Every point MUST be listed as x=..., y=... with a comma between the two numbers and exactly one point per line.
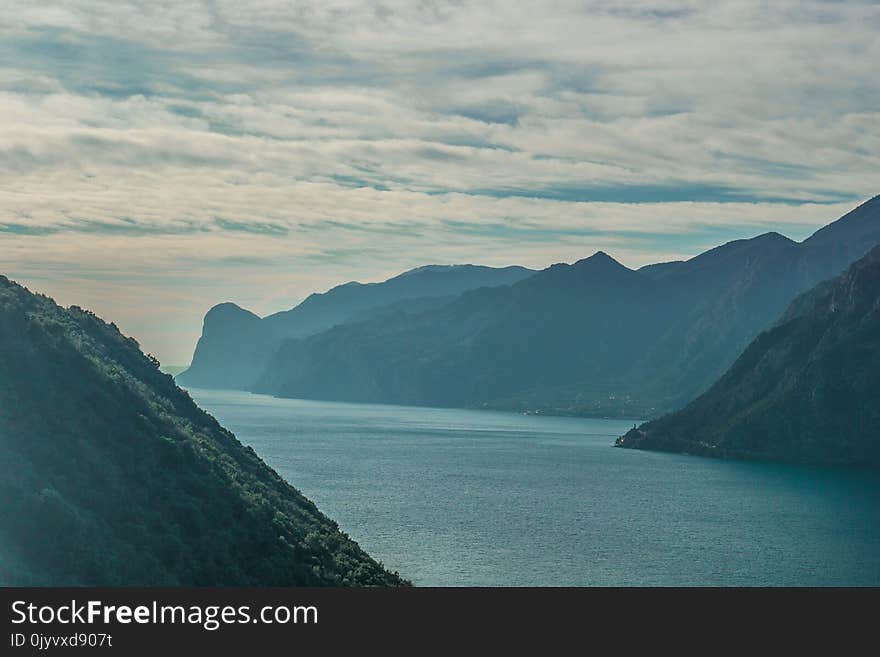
x=590, y=338
x=233, y=350
x=236, y=345
x=806, y=390
x=111, y=475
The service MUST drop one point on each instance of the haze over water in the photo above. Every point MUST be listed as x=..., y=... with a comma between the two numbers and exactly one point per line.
x=477, y=498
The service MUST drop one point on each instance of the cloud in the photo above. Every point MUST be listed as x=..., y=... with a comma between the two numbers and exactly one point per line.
x=194, y=152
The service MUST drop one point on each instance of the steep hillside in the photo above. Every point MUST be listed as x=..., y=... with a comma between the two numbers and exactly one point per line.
x=806, y=390
x=111, y=475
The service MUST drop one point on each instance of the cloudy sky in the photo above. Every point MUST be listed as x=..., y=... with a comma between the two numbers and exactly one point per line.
x=159, y=157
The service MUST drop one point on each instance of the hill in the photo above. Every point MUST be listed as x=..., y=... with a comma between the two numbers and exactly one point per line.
x=593, y=338
x=111, y=475
x=807, y=390
x=236, y=345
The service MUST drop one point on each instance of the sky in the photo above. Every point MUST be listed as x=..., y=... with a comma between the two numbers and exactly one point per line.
x=157, y=158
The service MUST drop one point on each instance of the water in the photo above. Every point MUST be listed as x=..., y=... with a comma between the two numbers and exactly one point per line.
x=454, y=497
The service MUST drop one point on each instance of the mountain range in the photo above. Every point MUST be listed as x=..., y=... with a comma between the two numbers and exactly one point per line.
x=805, y=390
x=591, y=338
x=236, y=345
x=111, y=475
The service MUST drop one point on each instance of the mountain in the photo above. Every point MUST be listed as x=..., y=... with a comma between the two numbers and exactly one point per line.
x=232, y=351
x=807, y=390
x=111, y=475
x=590, y=338
x=723, y=298
x=493, y=340
x=236, y=345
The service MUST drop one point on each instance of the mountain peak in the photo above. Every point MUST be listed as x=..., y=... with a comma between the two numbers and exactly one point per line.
x=770, y=241
x=599, y=259
x=227, y=314
x=228, y=309
x=773, y=236
x=595, y=269
x=734, y=251
x=424, y=269
x=351, y=285
x=463, y=268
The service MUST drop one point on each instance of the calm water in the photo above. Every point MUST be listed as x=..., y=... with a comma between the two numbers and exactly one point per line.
x=450, y=497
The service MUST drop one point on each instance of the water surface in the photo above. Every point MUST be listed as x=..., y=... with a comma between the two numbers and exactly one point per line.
x=457, y=497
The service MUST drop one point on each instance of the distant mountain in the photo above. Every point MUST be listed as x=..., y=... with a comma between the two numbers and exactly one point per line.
x=807, y=390
x=236, y=345
x=492, y=341
x=589, y=338
x=111, y=475
x=232, y=351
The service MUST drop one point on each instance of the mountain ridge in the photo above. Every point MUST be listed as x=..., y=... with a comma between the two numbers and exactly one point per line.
x=593, y=337
x=113, y=476
x=806, y=390
x=233, y=350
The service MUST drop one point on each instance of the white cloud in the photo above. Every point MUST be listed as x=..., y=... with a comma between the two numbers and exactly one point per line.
x=190, y=152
